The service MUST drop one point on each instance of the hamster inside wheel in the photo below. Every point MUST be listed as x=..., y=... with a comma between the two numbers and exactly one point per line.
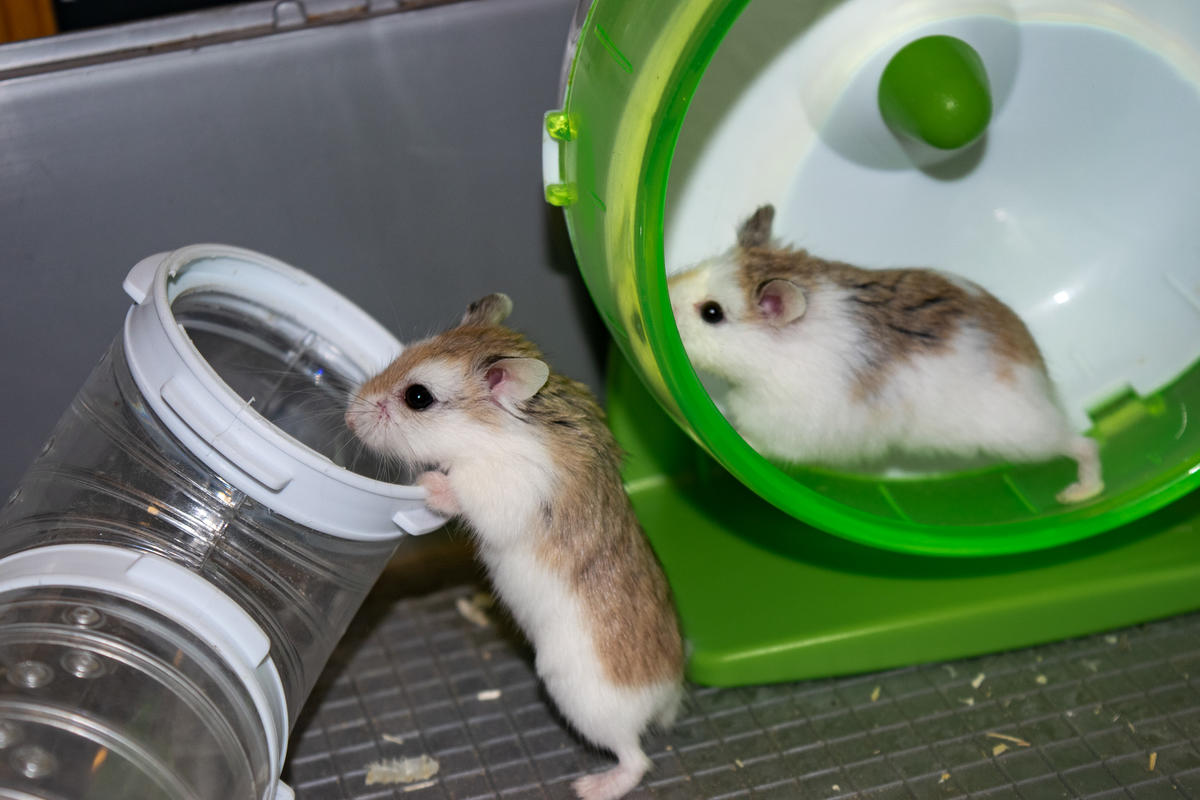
x=1071, y=194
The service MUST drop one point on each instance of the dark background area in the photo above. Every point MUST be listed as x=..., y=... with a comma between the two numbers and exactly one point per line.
x=73, y=15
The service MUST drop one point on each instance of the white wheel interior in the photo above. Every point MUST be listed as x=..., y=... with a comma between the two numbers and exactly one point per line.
x=1080, y=208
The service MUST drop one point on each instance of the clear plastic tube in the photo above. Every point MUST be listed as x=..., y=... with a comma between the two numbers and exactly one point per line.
x=175, y=667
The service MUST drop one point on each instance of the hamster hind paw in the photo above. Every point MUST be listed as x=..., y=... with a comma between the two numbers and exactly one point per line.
x=1079, y=491
x=1089, y=482
x=615, y=783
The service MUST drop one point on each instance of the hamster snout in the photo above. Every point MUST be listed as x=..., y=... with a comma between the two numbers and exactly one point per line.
x=364, y=414
x=832, y=364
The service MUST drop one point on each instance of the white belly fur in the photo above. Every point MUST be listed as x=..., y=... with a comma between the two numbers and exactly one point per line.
x=550, y=614
x=504, y=507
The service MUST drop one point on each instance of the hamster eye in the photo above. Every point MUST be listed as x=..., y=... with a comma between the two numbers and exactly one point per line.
x=711, y=312
x=417, y=397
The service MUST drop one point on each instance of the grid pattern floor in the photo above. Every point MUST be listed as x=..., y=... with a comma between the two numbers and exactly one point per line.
x=1109, y=716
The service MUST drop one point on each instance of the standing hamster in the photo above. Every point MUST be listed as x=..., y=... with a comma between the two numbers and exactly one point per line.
x=522, y=454
x=832, y=364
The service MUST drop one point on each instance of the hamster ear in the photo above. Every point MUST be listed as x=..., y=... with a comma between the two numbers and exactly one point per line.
x=490, y=310
x=781, y=302
x=756, y=231
x=513, y=380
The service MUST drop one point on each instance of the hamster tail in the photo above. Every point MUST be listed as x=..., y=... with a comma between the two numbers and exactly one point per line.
x=1089, y=483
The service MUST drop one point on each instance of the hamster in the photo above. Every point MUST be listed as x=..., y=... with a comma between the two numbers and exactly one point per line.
x=523, y=455
x=831, y=364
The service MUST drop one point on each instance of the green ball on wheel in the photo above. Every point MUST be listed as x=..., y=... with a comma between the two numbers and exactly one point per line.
x=935, y=90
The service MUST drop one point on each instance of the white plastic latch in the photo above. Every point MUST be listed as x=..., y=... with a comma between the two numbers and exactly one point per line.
x=140, y=279
x=182, y=394
x=418, y=520
x=557, y=129
x=158, y=577
x=551, y=169
x=284, y=792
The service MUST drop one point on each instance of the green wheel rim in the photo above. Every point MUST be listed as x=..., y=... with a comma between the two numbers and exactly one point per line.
x=635, y=69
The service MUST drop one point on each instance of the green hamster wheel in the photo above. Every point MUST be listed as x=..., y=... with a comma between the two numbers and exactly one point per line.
x=635, y=71
x=762, y=593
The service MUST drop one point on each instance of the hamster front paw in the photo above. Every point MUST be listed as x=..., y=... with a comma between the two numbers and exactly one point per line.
x=439, y=496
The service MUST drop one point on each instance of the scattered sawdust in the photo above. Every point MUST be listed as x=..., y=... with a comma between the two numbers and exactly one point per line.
x=474, y=608
x=1153, y=760
x=1017, y=740
x=388, y=737
x=1111, y=638
x=837, y=788
x=967, y=701
x=875, y=694
x=738, y=763
x=488, y=694
x=401, y=770
x=1041, y=680
x=978, y=680
x=1000, y=748
x=945, y=777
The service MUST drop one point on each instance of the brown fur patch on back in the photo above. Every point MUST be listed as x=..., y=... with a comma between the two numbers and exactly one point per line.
x=593, y=537
x=905, y=313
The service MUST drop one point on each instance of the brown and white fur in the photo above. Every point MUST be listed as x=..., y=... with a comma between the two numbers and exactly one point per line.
x=831, y=364
x=523, y=455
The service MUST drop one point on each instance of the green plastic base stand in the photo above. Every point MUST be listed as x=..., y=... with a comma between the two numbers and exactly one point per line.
x=765, y=598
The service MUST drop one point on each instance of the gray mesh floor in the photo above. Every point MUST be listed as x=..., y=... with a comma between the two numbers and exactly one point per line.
x=1108, y=716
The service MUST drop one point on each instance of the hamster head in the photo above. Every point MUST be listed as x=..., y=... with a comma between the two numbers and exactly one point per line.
x=726, y=316
x=445, y=398
x=710, y=311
